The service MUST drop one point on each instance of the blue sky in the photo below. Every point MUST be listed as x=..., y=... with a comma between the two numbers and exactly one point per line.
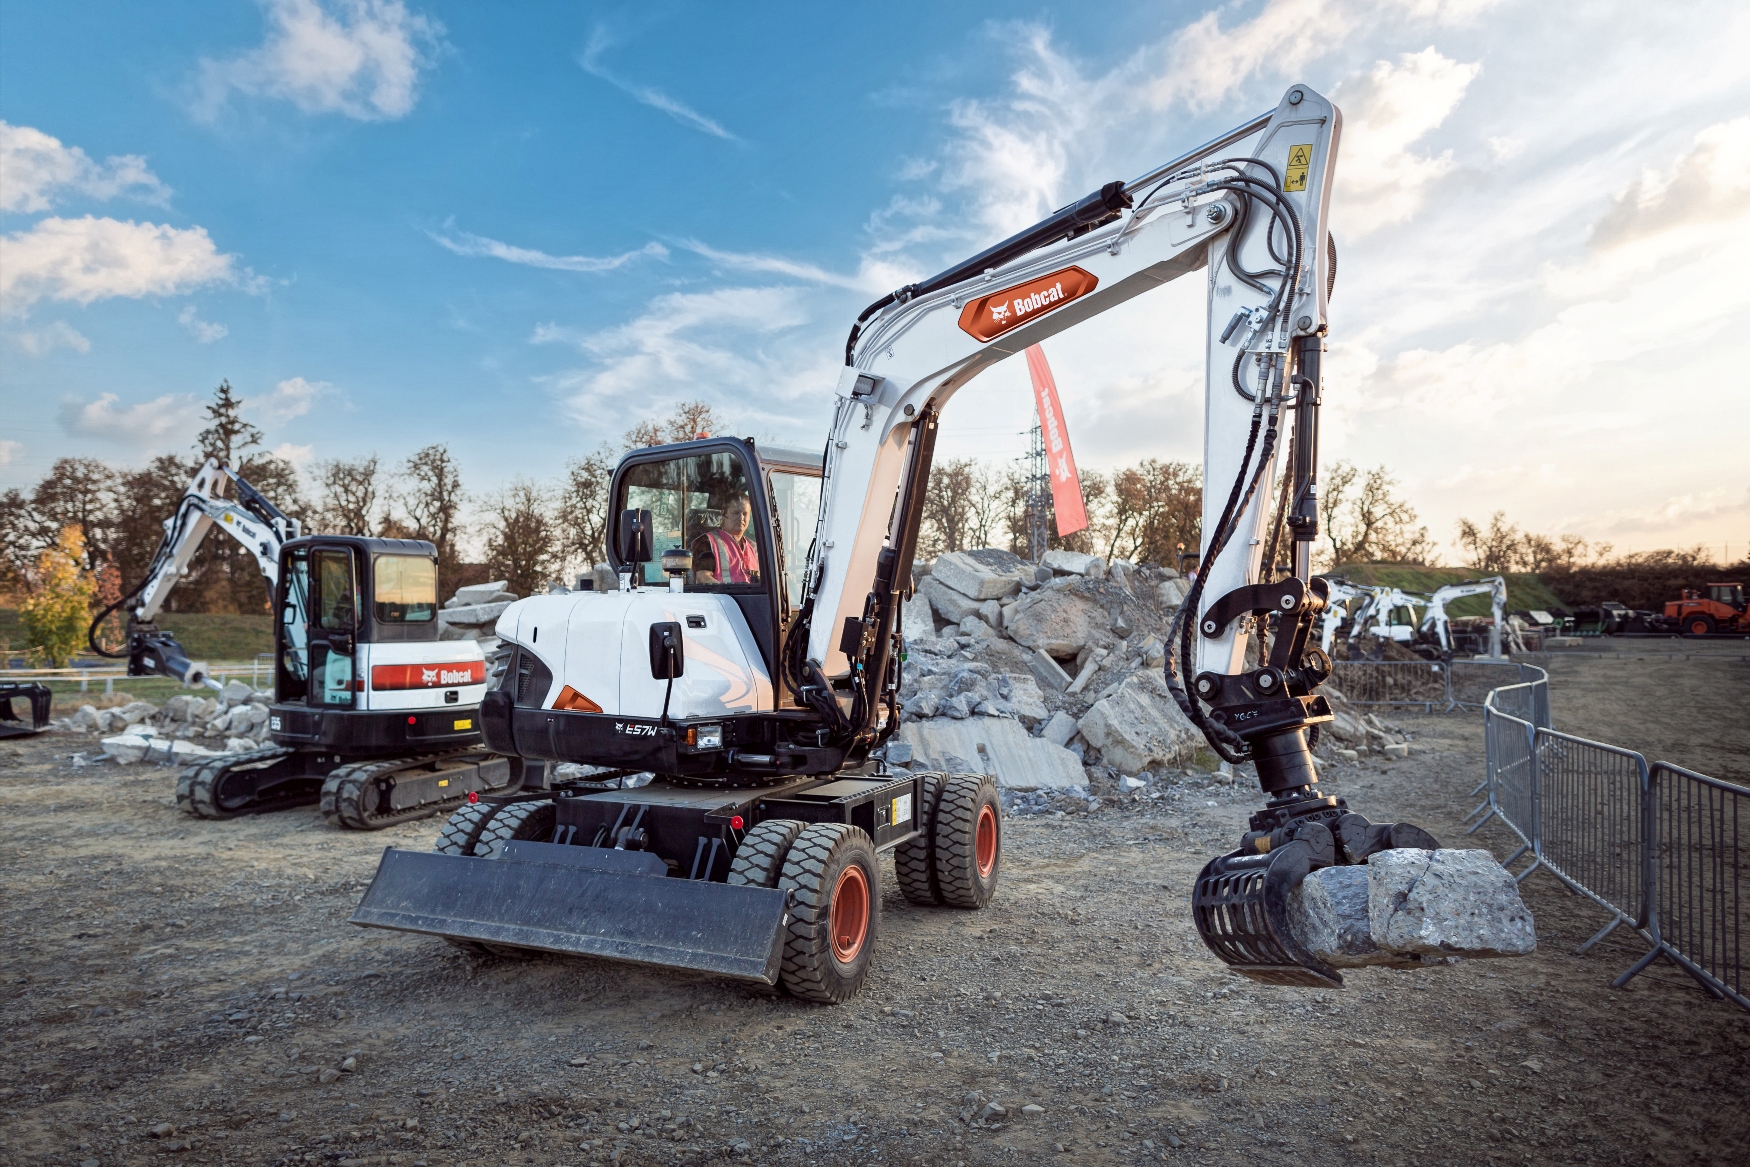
x=520, y=229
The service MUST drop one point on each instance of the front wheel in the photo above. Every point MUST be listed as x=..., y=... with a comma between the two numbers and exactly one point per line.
x=831, y=869
x=968, y=832
x=1700, y=624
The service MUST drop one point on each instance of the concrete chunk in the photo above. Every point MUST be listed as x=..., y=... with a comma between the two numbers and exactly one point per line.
x=1446, y=903
x=473, y=615
x=996, y=746
x=485, y=593
x=914, y=619
x=1049, y=672
x=950, y=606
x=1138, y=727
x=986, y=574
x=1071, y=562
x=1059, y=729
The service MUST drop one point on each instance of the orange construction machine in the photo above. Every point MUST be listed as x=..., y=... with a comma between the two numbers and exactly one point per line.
x=1720, y=610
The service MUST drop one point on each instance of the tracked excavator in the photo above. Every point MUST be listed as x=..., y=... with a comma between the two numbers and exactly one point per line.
x=373, y=717
x=1436, y=628
x=757, y=681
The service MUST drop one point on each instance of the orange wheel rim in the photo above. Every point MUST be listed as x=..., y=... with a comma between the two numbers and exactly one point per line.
x=849, y=916
x=986, y=840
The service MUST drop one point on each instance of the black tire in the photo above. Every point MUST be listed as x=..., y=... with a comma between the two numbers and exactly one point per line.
x=832, y=871
x=1700, y=624
x=759, y=861
x=463, y=829
x=967, y=865
x=518, y=821
x=914, y=861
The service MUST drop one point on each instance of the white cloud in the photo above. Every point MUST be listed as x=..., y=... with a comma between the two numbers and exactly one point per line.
x=360, y=58
x=599, y=42
x=299, y=456
x=1385, y=112
x=463, y=243
x=36, y=168
x=203, y=331
x=170, y=415
x=84, y=260
x=291, y=398
x=776, y=265
x=9, y=450
x=43, y=341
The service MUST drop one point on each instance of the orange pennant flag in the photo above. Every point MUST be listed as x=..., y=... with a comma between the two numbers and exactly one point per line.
x=1066, y=484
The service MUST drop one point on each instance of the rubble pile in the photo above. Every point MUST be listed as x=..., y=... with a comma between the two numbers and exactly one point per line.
x=472, y=614
x=185, y=727
x=1049, y=678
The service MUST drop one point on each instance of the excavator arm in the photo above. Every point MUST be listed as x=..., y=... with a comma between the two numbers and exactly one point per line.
x=250, y=518
x=1436, y=623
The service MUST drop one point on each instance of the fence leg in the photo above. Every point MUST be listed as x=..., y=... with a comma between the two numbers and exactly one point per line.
x=1520, y=878
x=1600, y=935
x=1516, y=855
x=109, y=686
x=1640, y=966
x=1481, y=786
x=1480, y=821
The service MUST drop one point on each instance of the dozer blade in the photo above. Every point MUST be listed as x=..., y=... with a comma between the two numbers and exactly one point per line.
x=582, y=900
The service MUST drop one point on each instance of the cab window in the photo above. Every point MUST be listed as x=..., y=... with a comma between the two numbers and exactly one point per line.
x=406, y=589
x=795, y=507
x=335, y=606
x=701, y=503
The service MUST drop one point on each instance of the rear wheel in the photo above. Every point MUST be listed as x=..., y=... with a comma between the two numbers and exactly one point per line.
x=1700, y=624
x=520, y=821
x=759, y=861
x=968, y=833
x=831, y=867
x=914, y=861
x=463, y=829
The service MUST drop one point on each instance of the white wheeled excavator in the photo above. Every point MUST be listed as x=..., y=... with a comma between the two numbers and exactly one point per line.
x=757, y=680
x=373, y=717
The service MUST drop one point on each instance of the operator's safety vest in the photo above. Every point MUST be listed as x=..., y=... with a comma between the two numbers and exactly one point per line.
x=737, y=559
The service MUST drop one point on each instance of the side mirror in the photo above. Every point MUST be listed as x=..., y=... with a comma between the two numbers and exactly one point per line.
x=668, y=653
x=633, y=540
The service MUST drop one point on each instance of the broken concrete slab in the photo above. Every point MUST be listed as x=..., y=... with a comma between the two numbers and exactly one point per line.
x=950, y=606
x=915, y=622
x=1138, y=726
x=1049, y=672
x=1446, y=903
x=486, y=593
x=985, y=574
x=996, y=746
x=472, y=615
x=1172, y=592
x=1059, y=729
x=1060, y=620
x=1064, y=562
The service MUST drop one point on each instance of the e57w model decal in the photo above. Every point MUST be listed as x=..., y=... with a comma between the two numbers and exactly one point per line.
x=988, y=317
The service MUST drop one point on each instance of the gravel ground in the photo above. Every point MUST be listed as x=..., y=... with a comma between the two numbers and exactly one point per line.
x=189, y=991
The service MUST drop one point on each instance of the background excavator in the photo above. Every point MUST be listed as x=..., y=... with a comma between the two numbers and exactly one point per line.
x=757, y=680
x=373, y=717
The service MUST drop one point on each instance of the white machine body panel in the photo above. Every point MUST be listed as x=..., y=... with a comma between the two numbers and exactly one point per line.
x=572, y=634
x=420, y=674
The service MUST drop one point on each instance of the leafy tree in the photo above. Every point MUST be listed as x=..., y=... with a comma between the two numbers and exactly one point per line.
x=522, y=544
x=949, y=502
x=1495, y=548
x=80, y=491
x=1154, y=507
x=58, y=609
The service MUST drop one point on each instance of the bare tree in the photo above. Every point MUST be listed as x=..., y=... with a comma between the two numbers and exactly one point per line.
x=692, y=420
x=229, y=435
x=1496, y=547
x=349, y=495
x=948, y=503
x=431, y=495
x=1154, y=507
x=1366, y=521
x=522, y=539
x=583, y=507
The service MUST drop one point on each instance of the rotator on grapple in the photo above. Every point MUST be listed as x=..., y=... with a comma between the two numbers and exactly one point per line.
x=756, y=684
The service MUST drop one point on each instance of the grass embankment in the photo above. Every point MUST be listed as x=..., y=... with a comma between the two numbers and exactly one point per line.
x=1525, y=591
x=206, y=636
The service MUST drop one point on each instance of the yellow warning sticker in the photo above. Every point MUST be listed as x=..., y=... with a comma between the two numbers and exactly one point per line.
x=443, y=781
x=1299, y=162
x=466, y=723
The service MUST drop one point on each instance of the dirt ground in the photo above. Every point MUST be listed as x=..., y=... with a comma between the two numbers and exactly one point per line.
x=189, y=991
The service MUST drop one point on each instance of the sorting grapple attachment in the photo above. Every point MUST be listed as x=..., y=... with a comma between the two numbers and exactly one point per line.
x=589, y=901
x=36, y=696
x=1241, y=907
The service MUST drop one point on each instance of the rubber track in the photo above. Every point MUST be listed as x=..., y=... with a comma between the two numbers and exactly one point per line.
x=519, y=820
x=914, y=861
x=195, y=785
x=463, y=829
x=759, y=861
x=344, y=788
x=808, y=947
x=956, y=845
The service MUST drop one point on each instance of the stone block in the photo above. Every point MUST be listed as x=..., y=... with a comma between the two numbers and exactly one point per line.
x=915, y=621
x=996, y=746
x=473, y=615
x=1172, y=592
x=985, y=574
x=86, y=718
x=1063, y=562
x=1059, y=729
x=239, y=745
x=1058, y=620
x=975, y=627
x=1446, y=903
x=1138, y=726
x=237, y=693
x=1049, y=672
x=951, y=606
x=485, y=593
x=991, y=612
x=1021, y=692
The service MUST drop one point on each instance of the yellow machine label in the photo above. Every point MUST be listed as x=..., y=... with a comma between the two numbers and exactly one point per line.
x=465, y=723
x=1299, y=162
x=443, y=781
x=901, y=810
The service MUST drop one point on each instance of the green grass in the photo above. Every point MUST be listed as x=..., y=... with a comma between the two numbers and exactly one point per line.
x=205, y=636
x=1524, y=590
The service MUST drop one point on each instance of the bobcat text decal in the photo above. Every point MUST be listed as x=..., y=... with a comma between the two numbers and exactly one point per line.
x=439, y=676
x=988, y=317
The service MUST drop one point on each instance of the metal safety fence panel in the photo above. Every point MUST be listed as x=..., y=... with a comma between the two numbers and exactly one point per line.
x=1393, y=682
x=1470, y=682
x=1511, y=782
x=1698, y=878
x=1590, y=823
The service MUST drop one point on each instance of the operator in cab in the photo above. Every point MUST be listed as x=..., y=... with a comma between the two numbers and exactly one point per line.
x=725, y=554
